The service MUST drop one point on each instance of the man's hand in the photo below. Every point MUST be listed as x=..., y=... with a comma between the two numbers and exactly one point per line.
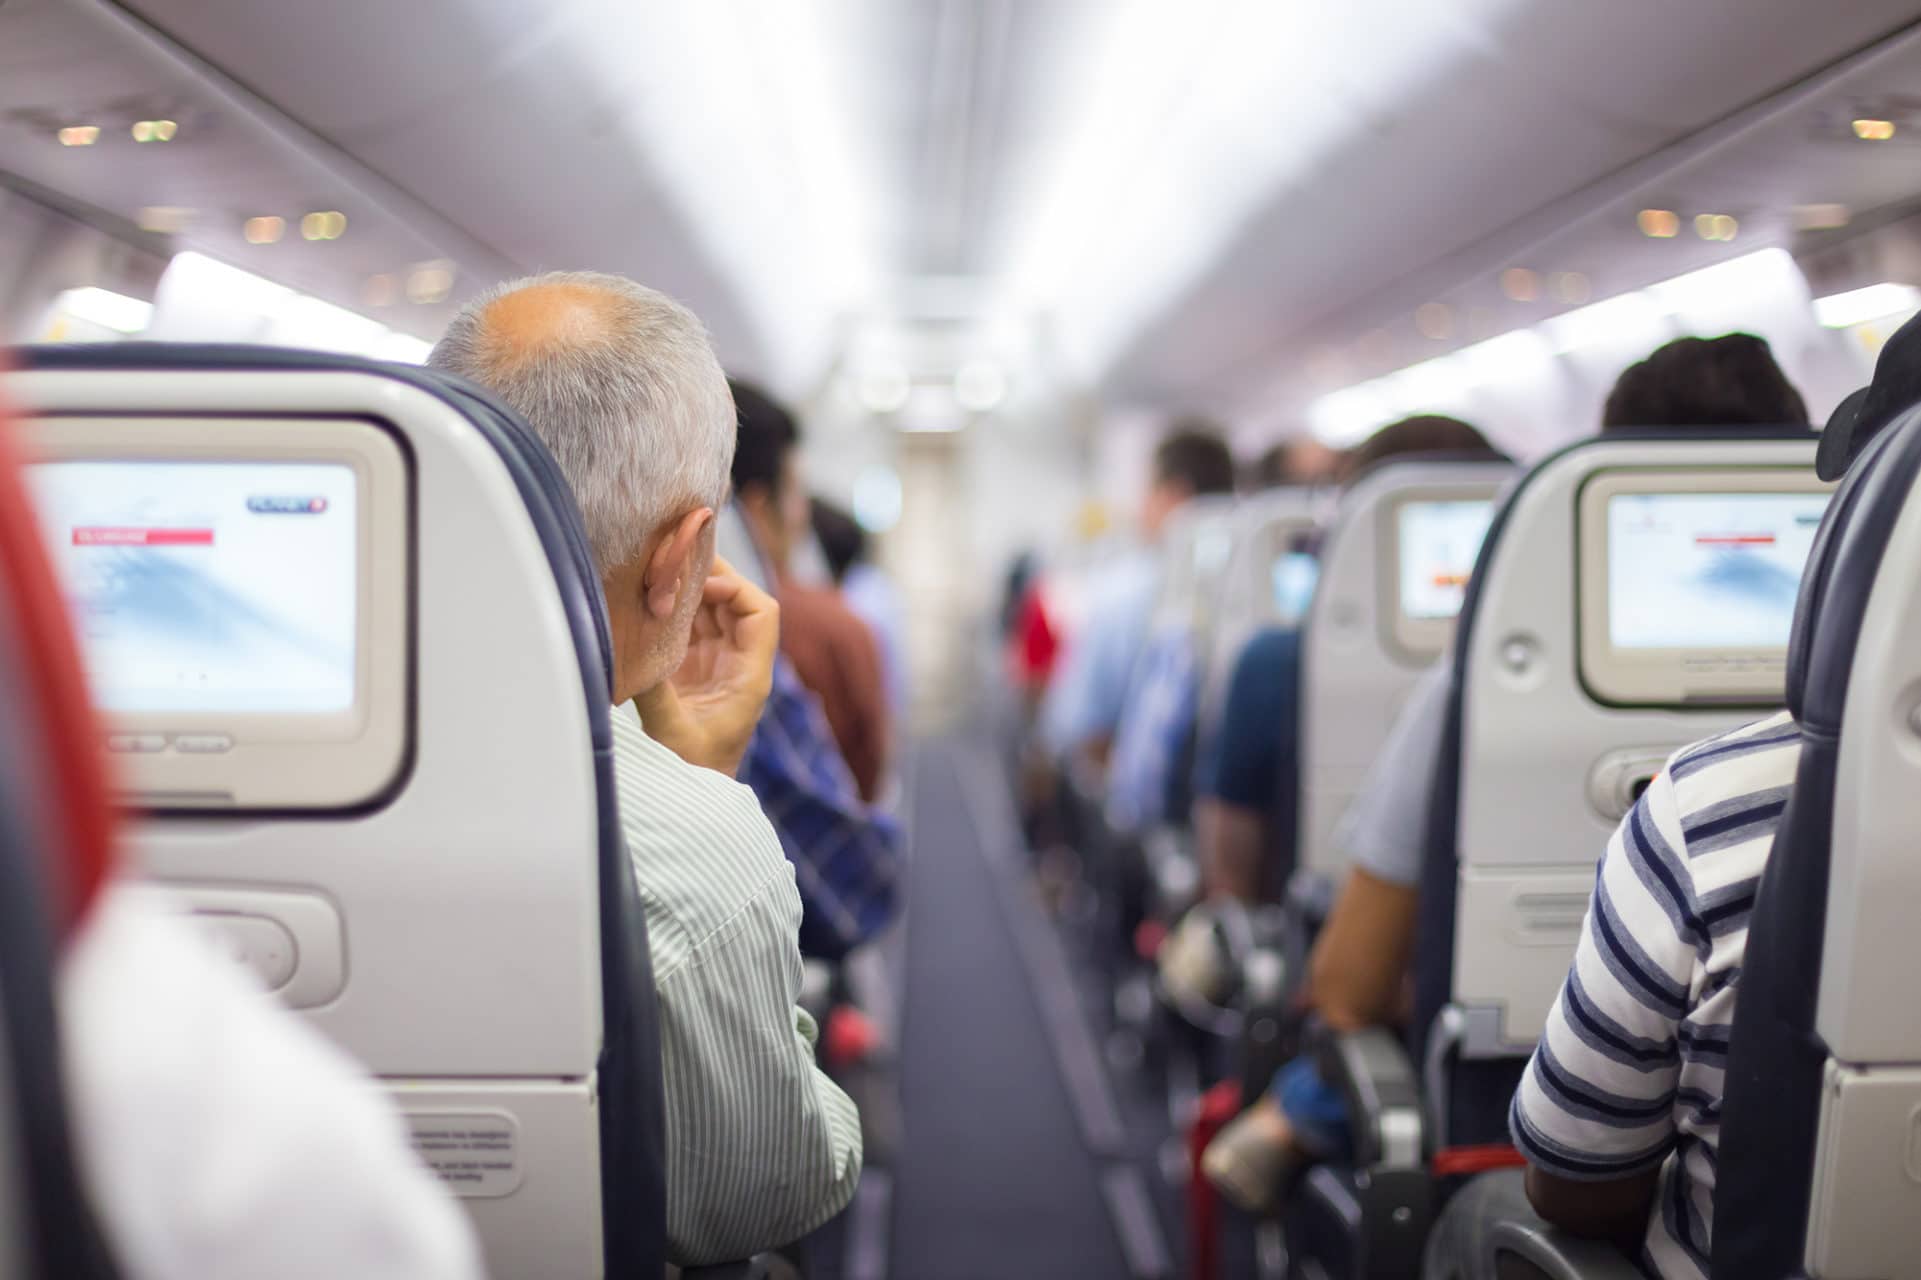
x=707, y=712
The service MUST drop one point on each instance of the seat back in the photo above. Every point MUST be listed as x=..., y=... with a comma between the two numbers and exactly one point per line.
x=1269, y=581
x=1823, y=1088
x=1390, y=581
x=462, y=918
x=1634, y=596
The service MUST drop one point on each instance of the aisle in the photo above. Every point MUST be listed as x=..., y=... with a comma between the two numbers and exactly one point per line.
x=995, y=1179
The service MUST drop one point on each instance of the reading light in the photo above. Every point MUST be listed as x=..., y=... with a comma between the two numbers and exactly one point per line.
x=1660, y=224
x=266, y=229
x=979, y=386
x=1521, y=285
x=1434, y=320
x=884, y=389
x=380, y=290
x=329, y=224
x=1869, y=130
x=1858, y=306
x=79, y=135
x=164, y=219
x=430, y=281
x=1715, y=226
x=154, y=130
x=1572, y=287
x=1820, y=217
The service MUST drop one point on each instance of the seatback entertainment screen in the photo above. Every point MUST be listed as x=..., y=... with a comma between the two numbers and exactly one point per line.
x=1439, y=542
x=208, y=586
x=1710, y=571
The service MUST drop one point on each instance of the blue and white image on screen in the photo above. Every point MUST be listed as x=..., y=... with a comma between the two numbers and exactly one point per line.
x=208, y=587
x=1707, y=570
x=1439, y=543
x=1295, y=574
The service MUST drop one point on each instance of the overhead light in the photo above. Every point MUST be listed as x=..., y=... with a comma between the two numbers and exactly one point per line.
x=1661, y=224
x=328, y=224
x=79, y=135
x=877, y=498
x=1716, y=295
x=380, y=290
x=430, y=282
x=154, y=130
x=884, y=389
x=403, y=348
x=1571, y=287
x=107, y=309
x=1858, y=306
x=164, y=219
x=1352, y=414
x=980, y=386
x=265, y=229
x=1715, y=226
x=1432, y=386
x=1820, y=217
x=1434, y=320
x=1521, y=285
x=1628, y=315
x=1871, y=130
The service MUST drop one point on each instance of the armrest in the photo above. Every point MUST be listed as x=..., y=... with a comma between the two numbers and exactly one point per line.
x=1373, y=1072
x=1532, y=1250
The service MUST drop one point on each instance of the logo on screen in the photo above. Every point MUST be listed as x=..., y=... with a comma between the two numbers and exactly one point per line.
x=272, y=506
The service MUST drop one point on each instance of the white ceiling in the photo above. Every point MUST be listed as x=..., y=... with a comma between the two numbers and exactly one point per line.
x=1193, y=198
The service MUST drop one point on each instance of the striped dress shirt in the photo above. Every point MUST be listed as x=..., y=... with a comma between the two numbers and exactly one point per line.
x=1629, y=1072
x=761, y=1146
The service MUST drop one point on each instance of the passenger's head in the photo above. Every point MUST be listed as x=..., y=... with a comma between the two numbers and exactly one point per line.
x=1302, y=462
x=1424, y=433
x=841, y=538
x=1705, y=382
x=767, y=482
x=622, y=386
x=1191, y=461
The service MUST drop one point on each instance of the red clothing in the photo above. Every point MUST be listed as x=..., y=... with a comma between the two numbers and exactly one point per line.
x=837, y=657
x=1036, y=645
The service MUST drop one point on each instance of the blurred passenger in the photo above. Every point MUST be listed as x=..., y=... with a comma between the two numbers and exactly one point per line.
x=622, y=385
x=1089, y=689
x=868, y=591
x=1360, y=965
x=1300, y=463
x=836, y=655
x=846, y=854
x=1619, y=1113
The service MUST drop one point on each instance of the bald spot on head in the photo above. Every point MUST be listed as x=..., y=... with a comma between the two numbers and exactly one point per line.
x=521, y=327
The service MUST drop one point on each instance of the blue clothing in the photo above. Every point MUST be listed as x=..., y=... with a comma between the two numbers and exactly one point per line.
x=1146, y=776
x=1315, y=1109
x=1089, y=689
x=846, y=855
x=1253, y=760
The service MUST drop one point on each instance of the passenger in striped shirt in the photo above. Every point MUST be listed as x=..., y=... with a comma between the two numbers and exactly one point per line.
x=1619, y=1114
x=623, y=387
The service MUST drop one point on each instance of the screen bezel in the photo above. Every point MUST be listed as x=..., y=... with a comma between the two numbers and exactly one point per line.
x=1746, y=675
x=1419, y=639
x=278, y=760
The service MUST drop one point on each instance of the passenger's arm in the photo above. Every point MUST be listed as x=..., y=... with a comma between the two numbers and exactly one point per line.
x=1356, y=973
x=762, y=1147
x=1594, y=1112
x=1231, y=842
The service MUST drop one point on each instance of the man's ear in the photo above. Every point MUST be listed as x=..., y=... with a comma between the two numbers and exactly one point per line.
x=671, y=561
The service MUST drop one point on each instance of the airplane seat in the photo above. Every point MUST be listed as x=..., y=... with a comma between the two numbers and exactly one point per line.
x=434, y=876
x=1268, y=582
x=55, y=853
x=1392, y=574
x=1564, y=700
x=1822, y=1086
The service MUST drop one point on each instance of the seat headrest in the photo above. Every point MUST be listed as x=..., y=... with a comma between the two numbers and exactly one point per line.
x=57, y=720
